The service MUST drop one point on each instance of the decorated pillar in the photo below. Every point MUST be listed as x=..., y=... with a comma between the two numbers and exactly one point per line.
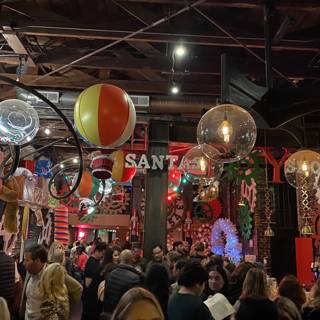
x=155, y=220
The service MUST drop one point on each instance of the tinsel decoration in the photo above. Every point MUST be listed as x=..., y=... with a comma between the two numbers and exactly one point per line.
x=230, y=247
x=245, y=222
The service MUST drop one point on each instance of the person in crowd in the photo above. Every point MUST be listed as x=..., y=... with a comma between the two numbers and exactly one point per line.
x=311, y=310
x=198, y=251
x=255, y=307
x=255, y=283
x=92, y=278
x=89, y=248
x=81, y=257
x=56, y=255
x=138, y=304
x=237, y=279
x=116, y=254
x=157, y=282
x=187, y=304
x=176, y=272
x=138, y=261
x=120, y=280
x=229, y=266
x=7, y=275
x=217, y=282
x=287, y=310
x=109, y=263
x=73, y=250
x=4, y=310
x=158, y=257
x=53, y=293
x=291, y=288
x=35, y=259
x=178, y=249
x=186, y=248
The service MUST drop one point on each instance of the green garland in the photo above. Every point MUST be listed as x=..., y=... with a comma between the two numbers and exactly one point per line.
x=237, y=170
x=245, y=221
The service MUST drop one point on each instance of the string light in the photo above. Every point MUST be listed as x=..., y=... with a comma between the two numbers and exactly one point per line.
x=75, y=160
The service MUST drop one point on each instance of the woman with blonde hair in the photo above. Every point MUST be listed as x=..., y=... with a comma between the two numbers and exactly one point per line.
x=4, y=311
x=138, y=303
x=54, y=293
x=255, y=284
x=311, y=310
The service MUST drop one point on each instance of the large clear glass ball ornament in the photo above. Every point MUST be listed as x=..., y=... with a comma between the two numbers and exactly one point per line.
x=230, y=129
x=198, y=168
x=19, y=122
x=303, y=167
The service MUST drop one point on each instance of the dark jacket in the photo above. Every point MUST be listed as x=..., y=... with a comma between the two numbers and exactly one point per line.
x=7, y=276
x=310, y=313
x=119, y=281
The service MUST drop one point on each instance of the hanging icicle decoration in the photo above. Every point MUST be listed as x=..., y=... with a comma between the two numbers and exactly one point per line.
x=306, y=219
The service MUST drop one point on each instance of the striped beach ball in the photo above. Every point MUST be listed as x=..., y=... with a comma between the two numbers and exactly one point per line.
x=119, y=171
x=61, y=229
x=105, y=115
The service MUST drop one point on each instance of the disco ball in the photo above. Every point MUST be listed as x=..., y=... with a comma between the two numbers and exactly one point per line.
x=230, y=129
x=19, y=122
x=107, y=187
x=197, y=167
x=303, y=164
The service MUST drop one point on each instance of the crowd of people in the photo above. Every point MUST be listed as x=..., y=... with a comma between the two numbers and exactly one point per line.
x=101, y=281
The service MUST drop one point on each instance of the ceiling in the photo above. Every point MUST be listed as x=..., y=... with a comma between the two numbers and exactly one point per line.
x=68, y=45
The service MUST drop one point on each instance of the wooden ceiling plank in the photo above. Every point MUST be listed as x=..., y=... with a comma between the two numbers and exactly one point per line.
x=17, y=46
x=189, y=39
x=145, y=87
x=246, y=4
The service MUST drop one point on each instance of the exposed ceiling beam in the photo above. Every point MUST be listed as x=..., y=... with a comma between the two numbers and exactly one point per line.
x=153, y=37
x=16, y=44
x=249, y=4
x=155, y=87
x=162, y=65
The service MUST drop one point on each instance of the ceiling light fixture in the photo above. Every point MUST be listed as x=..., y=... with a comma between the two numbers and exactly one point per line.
x=75, y=160
x=180, y=51
x=47, y=131
x=175, y=89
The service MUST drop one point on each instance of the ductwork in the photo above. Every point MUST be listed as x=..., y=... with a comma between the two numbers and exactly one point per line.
x=144, y=104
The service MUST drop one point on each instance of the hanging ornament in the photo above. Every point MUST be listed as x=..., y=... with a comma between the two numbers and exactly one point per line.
x=249, y=192
x=229, y=128
x=188, y=224
x=303, y=163
x=268, y=211
x=304, y=205
x=245, y=222
x=198, y=168
x=267, y=196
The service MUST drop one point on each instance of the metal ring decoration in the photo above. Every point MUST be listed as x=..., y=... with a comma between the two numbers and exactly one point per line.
x=66, y=122
x=16, y=151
